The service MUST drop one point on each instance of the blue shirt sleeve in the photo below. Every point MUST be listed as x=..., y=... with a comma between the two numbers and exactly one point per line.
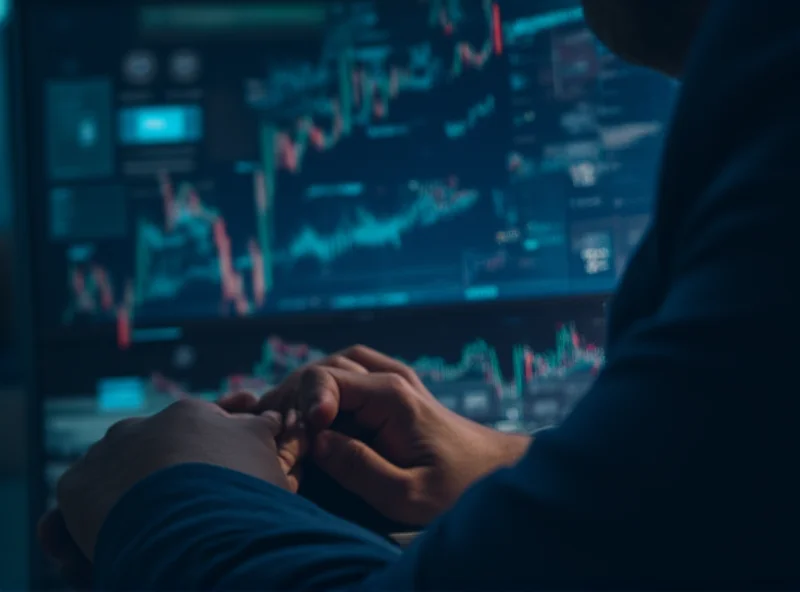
x=202, y=527
x=673, y=468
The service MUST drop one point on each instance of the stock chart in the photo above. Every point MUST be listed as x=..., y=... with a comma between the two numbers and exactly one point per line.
x=337, y=156
x=511, y=372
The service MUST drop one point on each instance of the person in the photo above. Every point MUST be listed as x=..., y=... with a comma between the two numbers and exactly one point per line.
x=674, y=470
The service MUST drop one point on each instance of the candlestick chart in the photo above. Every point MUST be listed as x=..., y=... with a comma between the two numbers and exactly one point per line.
x=551, y=382
x=352, y=98
x=502, y=372
x=365, y=122
x=186, y=260
x=521, y=372
x=477, y=361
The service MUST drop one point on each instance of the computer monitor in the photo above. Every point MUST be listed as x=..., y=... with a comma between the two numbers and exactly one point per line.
x=219, y=192
x=211, y=160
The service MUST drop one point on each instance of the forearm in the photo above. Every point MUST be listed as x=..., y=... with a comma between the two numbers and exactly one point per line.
x=205, y=528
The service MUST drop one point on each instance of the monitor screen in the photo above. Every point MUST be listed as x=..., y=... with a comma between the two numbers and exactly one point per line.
x=514, y=371
x=201, y=161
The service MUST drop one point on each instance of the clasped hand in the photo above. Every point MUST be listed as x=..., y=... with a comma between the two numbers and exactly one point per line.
x=420, y=457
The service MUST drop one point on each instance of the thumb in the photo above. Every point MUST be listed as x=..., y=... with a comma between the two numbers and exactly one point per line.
x=268, y=425
x=361, y=470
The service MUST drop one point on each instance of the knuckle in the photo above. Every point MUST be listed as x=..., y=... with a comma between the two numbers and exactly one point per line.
x=311, y=373
x=407, y=373
x=315, y=378
x=120, y=428
x=186, y=408
x=270, y=401
x=268, y=426
x=185, y=405
x=396, y=383
x=337, y=361
x=410, y=491
x=355, y=351
x=352, y=459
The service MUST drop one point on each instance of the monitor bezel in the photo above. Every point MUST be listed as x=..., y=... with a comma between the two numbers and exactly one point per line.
x=26, y=281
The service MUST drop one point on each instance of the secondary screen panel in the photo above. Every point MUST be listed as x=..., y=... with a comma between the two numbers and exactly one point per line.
x=226, y=160
x=513, y=372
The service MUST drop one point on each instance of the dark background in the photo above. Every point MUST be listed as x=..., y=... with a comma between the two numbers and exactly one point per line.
x=13, y=495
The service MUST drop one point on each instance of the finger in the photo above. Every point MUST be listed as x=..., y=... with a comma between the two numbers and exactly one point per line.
x=375, y=361
x=361, y=470
x=293, y=439
x=291, y=451
x=310, y=394
x=343, y=362
x=268, y=425
x=123, y=426
x=294, y=477
x=239, y=402
x=316, y=391
x=300, y=392
x=373, y=399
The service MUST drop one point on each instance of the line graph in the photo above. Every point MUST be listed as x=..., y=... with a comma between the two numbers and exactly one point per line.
x=477, y=113
x=432, y=203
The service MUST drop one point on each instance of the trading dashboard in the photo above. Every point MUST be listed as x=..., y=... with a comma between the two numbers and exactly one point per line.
x=517, y=371
x=226, y=160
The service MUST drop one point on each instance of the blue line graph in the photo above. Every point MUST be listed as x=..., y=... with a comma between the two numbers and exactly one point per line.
x=533, y=25
x=434, y=202
x=478, y=112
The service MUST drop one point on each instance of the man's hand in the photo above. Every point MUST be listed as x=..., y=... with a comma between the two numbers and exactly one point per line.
x=186, y=432
x=420, y=456
x=298, y=393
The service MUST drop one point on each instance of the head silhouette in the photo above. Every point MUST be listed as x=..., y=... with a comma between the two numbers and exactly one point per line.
x=652, y=33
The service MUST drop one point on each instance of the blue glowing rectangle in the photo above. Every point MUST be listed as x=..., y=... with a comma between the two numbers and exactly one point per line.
x=115, y=395
x=170, y=124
